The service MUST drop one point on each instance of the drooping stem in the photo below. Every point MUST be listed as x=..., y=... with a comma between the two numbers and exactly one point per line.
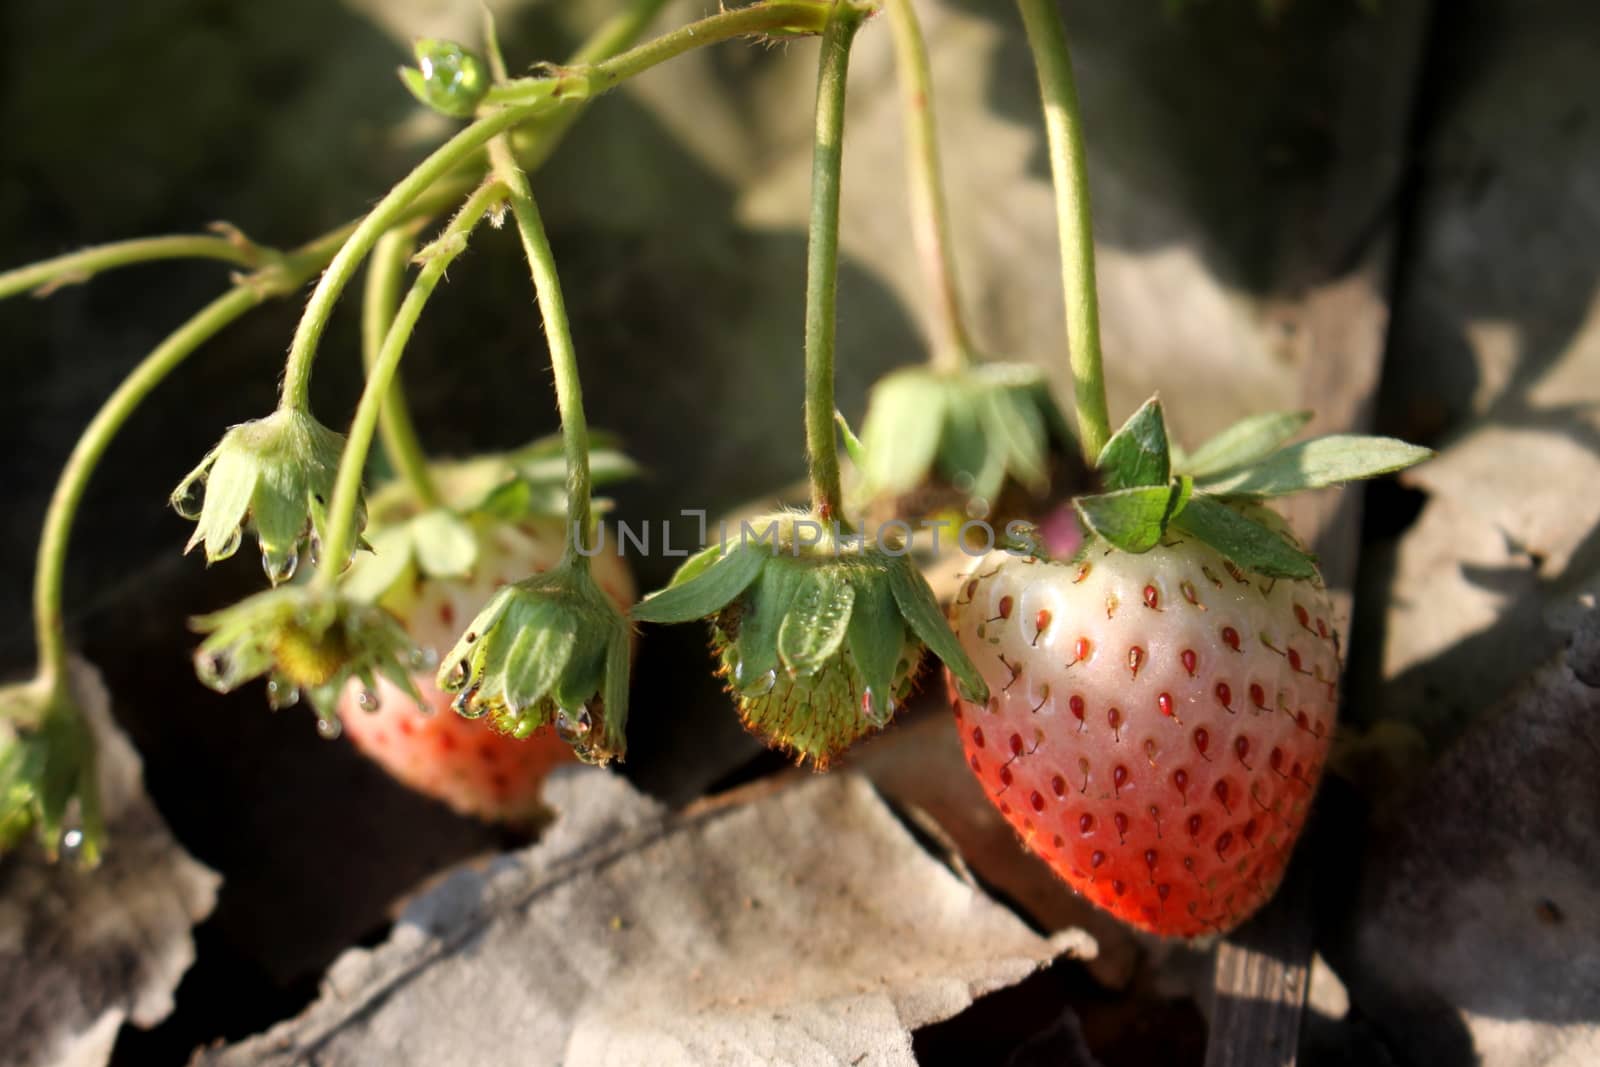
x=385, y=275
x=52, y=554
x=80, y=266
x=771, y=17
x=563, y=354
x=286, y=275
x=822, y=261
x=1064, y=128
x=517, y=102
x=930, y=214
x=438, y=256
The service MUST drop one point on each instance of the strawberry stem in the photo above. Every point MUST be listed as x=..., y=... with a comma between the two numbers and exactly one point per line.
x=510, y=104
x=74, y=267
x=563, y=355
x=284, y=276
x=438, y=255
x=930, y=215
x=1064, y=129
x=395, y=427
x=822, y=261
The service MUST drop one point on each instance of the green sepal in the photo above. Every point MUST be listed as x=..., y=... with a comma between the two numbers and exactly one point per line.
x=877, y=639
x=1244, y=442
x=1133, y=520
x=273, y=475
x=436, y=544
x=975, y=427
x=852, y=444
x=757, y=621
x=448, y=78
x=48, y=769
x=905, y=419
x=540, y=653
x=305, y=640
x=1245, y=541
x=707, y=593
x=814, y=627
x=1315, y=464
x=920, y=610
x=1137, y=454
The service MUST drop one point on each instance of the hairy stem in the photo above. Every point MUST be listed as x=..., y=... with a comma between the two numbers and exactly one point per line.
x=930, y=215
x=385, y=276
x=74, y=267
x=563, y=354
x=1064, y=128
x=822, y=261
x=438, y=256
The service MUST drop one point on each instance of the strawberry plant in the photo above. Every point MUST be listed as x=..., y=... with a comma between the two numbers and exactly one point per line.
x=1151, y=713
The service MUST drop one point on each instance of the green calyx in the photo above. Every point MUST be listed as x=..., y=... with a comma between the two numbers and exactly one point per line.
x=274, y=475
x=551, y=649
x=819, y=635
x=1214, y=494
x=974, y=427
x=447, y=78
x=306, y=641
x=48, y=783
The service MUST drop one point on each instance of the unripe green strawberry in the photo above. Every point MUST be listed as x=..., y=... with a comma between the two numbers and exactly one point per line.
x=465, y=762
x=1157, y=723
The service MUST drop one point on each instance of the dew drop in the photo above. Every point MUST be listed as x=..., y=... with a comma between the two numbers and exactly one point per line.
x=231, y=545
x=191, y=502
x=329, y=728
x=877, y=710
x=368, y=699
x=467, y=705
x=977, y=508
x=71, y=843
x=573, y=726
x=212, y=668
x=279, y=566
x=282, y=693
x=457, y=677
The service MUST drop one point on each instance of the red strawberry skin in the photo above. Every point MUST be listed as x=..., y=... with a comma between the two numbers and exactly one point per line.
x=432, y=749
x=1157, y=725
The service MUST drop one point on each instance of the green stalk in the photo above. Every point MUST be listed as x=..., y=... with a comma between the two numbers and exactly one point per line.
x=283, y=277
x=778, y=17
x=523, y=100
x=385, y=276
x=822, y=261
x=438, y=255
x=563, y=354
x=930, y=215
x=80, y=266
x=1064, y=128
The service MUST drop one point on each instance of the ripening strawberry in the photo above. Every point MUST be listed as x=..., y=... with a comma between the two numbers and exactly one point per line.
x=1157, y=722
x=473, y=768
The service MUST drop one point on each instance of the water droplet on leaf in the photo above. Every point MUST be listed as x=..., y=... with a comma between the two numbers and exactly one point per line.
x=368, y=699
x=329, y=728
x=573, y=726
x=279, y=566
x=231, y=545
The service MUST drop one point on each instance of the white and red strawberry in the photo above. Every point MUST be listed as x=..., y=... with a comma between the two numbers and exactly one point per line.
x=1157, y=723
x=432, y=749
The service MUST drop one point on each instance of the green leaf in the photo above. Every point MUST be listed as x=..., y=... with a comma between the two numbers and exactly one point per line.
x=815, y=626
x=1245, y=442
x=1245, y=541
x=1137, y=454
x=921, y=613
x=372, y=575
x=1314, y=464
x=697, y=564
x=904, y=422
x=445, y=546
x=705, y=594
x=1131, y=519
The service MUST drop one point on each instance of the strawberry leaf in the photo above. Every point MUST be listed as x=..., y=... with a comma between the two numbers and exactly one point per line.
x=1245, y=442
x=1137, y=454
x=1314, y=464
x=1131, y=519
x=445, y=546
x=707, y=592
x=901, y=433
x=1245, y=541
